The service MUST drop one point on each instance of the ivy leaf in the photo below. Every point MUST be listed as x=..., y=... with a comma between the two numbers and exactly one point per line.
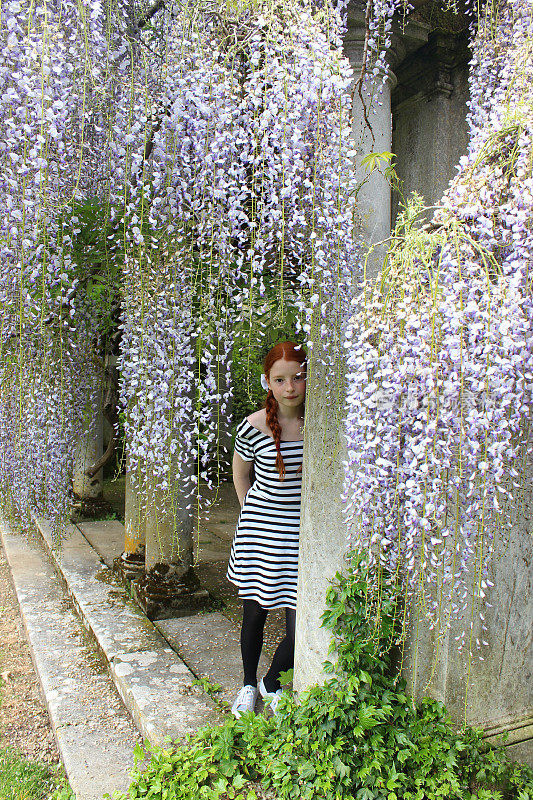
x=341, y=769
x=366, y=717
x=306, y=770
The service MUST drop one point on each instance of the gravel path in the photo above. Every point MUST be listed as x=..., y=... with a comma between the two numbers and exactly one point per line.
x=24, y=722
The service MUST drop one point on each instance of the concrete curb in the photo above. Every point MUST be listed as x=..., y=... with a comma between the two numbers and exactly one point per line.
x=94, y=733
x=154, y=683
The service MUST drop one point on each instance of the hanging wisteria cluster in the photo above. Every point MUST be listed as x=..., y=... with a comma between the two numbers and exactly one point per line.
x=214, y=139
x=53, y=74
x=440, y=354
x=239, y=182
x=213, y=142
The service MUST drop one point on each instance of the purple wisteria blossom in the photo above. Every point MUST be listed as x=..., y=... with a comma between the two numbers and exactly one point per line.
x=247, y=181
x=440, y=355
x=54, y=72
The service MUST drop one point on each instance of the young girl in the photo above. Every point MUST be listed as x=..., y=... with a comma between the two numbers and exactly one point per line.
x=264, y=556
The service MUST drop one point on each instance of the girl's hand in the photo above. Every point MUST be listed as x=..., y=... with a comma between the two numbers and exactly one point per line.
x=241, y=476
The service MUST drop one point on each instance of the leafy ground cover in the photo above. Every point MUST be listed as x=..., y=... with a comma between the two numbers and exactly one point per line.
x=358, y=736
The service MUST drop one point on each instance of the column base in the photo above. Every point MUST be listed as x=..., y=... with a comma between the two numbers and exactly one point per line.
x=518, y=737
x=164, y=591
x=130, y=566
x=90, y=507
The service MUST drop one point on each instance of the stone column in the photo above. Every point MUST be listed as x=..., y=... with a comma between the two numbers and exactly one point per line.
x=168, y=586
x=372, y=132
x=322, y=530
x=88, y=451
x=169, y=523
x=134, y=515
x=492, y=687
x=430, y=107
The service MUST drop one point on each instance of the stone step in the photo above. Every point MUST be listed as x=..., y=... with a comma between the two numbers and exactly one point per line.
x=209, y=643
x=94, y=732
x=155, y=684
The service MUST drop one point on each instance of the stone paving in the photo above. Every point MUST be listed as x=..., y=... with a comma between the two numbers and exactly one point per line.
x=213, y=539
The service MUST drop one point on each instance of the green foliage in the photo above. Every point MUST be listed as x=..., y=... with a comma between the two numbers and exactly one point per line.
x=94, y=242
x=213, y=690
x=63, y=792
x=373, y=160
x=258, y=333
x=97, y=255
x=21, y=779
x=359, y=736
x=382, y=163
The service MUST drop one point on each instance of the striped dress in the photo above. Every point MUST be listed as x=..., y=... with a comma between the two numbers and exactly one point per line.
x=263, y=561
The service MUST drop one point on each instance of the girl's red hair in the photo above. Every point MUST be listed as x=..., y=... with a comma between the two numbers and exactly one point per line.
x=290, y=351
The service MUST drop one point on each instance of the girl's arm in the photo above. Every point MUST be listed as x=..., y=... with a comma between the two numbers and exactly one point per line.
x=241, y=476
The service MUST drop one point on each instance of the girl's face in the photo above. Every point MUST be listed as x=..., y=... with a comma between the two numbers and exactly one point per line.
x=287, y=381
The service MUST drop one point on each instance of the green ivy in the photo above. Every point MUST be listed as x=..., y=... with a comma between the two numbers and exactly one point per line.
x=359, y=735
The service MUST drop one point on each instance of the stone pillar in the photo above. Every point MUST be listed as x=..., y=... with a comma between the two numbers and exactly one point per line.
x=88, y=451
x=322, y=530
x=168, y=529
x=496, y=692
x=374, y=198
x=169, y=523
x=430, y=106
x=134, y=515
x=492, y=687
x=168, y=585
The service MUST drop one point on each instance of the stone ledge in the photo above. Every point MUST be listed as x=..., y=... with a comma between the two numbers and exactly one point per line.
x=94, y=733
x=155, y=684
x=517, y=732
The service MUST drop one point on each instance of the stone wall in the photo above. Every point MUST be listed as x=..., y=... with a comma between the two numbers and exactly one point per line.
x=429, y=116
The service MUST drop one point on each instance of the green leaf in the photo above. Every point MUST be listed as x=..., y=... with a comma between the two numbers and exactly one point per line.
x=306, y=770
x=372, y=160
x=341, y=769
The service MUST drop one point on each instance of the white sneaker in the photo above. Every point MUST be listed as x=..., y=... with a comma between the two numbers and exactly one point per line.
x=245, y=701
x=271, y=697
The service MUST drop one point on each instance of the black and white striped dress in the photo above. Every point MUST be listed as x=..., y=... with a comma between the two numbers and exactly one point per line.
x=263, y=561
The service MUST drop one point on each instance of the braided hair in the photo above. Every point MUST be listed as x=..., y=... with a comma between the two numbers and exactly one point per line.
x=290, y=352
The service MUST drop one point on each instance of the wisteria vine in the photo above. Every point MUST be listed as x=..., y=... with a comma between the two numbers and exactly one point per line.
x=213, y=144
x=53, y=74
x=214, y=140
x=246, y=187
x=441, y=360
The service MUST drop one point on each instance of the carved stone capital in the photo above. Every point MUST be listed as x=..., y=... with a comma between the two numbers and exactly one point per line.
x=429, y=71
x=405, y=39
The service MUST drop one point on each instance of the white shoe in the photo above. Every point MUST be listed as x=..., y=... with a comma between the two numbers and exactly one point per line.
x=271, y=697
x=245, y=701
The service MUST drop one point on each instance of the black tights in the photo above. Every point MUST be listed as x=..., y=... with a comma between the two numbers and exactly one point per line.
x=253, y=623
